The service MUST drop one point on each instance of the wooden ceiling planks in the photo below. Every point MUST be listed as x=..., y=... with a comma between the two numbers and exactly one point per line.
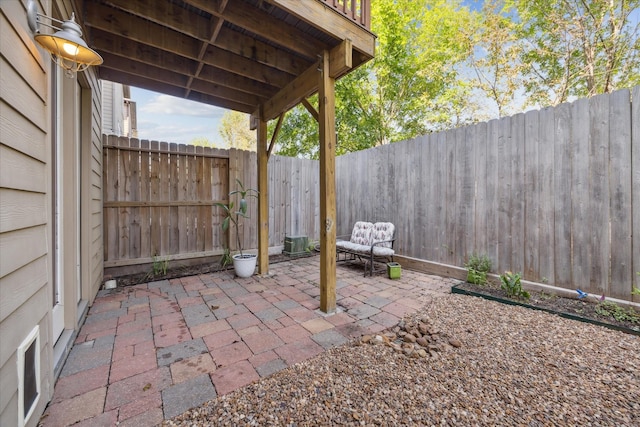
x=237, y=54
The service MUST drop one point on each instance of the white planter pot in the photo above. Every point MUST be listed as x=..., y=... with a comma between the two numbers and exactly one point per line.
x=245, y=265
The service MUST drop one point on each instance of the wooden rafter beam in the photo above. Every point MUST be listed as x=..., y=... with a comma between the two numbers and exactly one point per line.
x=162, y=75
x=182, y=41
x=259, y=23
x=169, y=89
x=310, y=108
x=217, y=25
x=342, y=29
x=276, y=131
x=219, y=59
x=306, y=83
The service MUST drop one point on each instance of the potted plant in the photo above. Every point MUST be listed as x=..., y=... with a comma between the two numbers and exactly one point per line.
x=244, y=264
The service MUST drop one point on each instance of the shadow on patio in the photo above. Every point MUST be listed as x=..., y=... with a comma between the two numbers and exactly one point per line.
x=152, y=351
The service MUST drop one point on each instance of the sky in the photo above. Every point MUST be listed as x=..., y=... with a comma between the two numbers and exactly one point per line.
x=170, y=119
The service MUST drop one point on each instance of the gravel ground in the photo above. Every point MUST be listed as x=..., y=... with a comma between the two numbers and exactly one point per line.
x=515, y=366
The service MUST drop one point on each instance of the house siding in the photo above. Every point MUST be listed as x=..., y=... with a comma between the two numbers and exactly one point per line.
x=26, y=199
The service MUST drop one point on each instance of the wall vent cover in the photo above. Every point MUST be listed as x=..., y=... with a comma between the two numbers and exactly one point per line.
x=28, y=376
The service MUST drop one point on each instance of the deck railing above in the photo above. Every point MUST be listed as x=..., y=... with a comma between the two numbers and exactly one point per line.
x=359, y=11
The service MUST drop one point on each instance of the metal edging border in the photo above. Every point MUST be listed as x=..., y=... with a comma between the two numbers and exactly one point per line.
x=456, y=290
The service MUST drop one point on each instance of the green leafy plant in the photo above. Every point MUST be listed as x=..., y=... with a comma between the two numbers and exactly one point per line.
x=160, y=266
x=477, y=268
x=510, y=283
x=313, y=245
x=635, y=290
x=621, y=314
x=235, y=217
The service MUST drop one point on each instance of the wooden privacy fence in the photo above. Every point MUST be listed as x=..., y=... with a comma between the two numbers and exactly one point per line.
x=159, y=199
x=554, y=194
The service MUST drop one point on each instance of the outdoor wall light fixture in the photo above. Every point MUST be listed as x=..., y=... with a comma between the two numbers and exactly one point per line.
x=66, y=46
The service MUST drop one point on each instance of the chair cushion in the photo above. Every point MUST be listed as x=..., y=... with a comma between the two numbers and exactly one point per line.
x=361, y=233
x=382, y=231
x=364, y=249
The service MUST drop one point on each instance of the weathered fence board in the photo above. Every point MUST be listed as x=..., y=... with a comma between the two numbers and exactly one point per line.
x=159, y=200
x=635, y=187
x=550, y=193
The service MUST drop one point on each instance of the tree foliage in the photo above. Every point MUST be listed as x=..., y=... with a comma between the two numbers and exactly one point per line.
x=202, y=141
x=578, y=48
x=496, y=56
x=439, y=65
x=389, y=99
x=235, y=131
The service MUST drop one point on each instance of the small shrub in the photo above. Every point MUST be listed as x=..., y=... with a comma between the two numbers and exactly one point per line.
x=611, y=309
x=477, y=268
x=635, y=290
x=510, y=283
x=160, y=266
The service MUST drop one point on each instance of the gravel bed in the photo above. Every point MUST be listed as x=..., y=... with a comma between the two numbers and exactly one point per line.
x=515, y=366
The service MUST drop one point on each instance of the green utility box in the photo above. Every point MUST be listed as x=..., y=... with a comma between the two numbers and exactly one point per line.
x=393, y=270
x=295, y=245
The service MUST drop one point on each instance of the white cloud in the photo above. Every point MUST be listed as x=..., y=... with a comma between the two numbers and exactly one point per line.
x=169, y=105
x=177, y=131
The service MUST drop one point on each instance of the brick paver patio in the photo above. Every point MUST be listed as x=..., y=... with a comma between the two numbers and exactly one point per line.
x=152, y=351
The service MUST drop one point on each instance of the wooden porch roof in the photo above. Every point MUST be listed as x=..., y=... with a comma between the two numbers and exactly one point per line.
x=235, y=54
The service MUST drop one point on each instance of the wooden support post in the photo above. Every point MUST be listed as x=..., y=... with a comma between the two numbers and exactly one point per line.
x=326, y=107
x=263, y=200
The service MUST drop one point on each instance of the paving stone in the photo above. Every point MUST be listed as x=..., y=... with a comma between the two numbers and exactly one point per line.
x=209, y=328
x=301, y=314
x=329, y=338
x=243, y=321
x=231, y=353
x=133, y=338
x=233, y=310
x=293, y=333
x=234, y=376
x=351, y=330
x=398, y=309
x=286, y=304
x=377, y=301
x=270, y=367
x=387, y=320
x=106, y=419
x=101, y=317
x=298, y=351
x=198, y=314
x=272, y=313
x=131, y=366
x=83, y=357
x=137, y=387
x=262, y=341
x=172, y=336
x=221, y=339
x=317, y=325
x=151, y=418
x=71, y=411
x=363, y=311
x=140, y=406
x=130, y=302
x=192, y=367
x=180, y=397
x=82, y=382
x=181, y=351
x=338, y=319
